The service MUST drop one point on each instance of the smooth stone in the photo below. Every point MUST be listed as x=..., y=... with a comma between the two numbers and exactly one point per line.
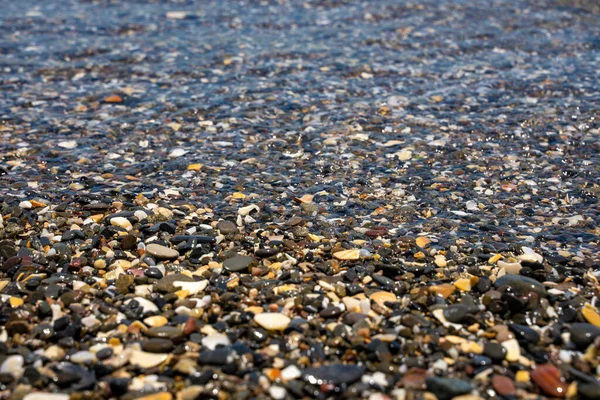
x=213, y=340
x=495, y=351
x=158, y=345
x=239, y=263
x=156, y=321
x=272, y=321
x=153, y=273
x=352, y=254
x=456, y=312
x=290, y=372
x=524, y=334
x=146, y=360
x=161, y=252
x=447, y=388
x=168, y=332
x=520, y=285
x=513, y=350
x=13, y=365
x=335, y=374
x=121, y=222
x=582, y=335
x=192, y=287
x=548, y=378
x=227, y=227
x=83, y=357
x=503, y=385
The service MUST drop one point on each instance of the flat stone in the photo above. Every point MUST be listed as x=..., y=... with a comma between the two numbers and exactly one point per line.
x=161, y=252
x=520, y=285
x=239, y=263
x=146, y=360
x=272, y=321
x=503, y=385
x=158, y=345
x=352, y=254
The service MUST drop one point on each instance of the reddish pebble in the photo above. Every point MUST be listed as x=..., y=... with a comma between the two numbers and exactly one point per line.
x=273, y=307
x=548, y=378
x=503, y=385
x=113, y=99
x=190, y=326
x=414, y=379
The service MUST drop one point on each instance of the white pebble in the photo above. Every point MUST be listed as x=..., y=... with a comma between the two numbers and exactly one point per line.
x=46, y=396
x=277, y=392
x=83, y=357
x=13, y=365
x=291, y=372
x=192, y=287
x=25, y=204
x=67, y=144
x=215, y=339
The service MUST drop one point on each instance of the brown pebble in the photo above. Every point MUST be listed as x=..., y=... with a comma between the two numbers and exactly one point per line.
x=503, y=385
x=548, y=378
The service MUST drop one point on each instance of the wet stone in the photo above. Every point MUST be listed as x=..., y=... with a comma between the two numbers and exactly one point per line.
x=582, y=335
x=239, y=263
x=336, y=374
x=520, y=285
x=447, y=388
x=158, y=345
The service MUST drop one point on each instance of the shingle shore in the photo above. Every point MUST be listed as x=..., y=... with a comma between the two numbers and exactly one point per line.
x=317, y=199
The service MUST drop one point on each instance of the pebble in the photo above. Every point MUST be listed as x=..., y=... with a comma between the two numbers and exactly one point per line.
x=239, y=263
x=447, y=388
x=503, y=385
x=524, y=334
x=161, y=252
x=121, y=222
x=272, y=321
x=591, y=314
x=156, y=321
x=290, y=372
x=227, y=227
x=549, y=379
x=335, y=374
x=192, y=287
x=353, y=254
x=513, y=350
x=277, y=392
x=13, y=365
x=145, y=360
x=520, y=285
x=582, y=335
x=214, y=340
x=147, y=305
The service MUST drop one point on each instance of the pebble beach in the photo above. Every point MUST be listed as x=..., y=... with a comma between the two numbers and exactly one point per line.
x=321, y=199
